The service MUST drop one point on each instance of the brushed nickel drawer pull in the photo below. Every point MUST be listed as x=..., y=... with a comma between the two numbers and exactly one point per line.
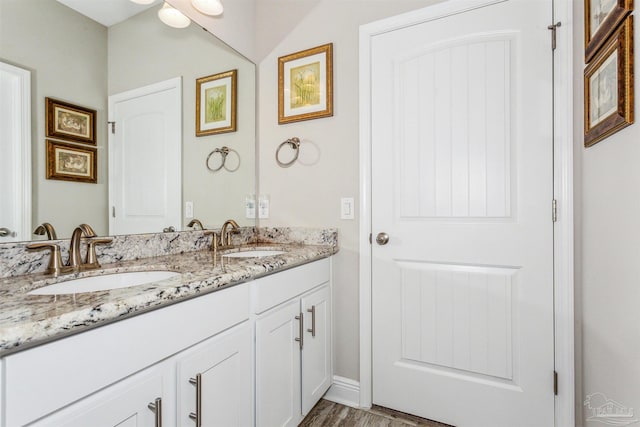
x=300, y=320
x=197, y=416
x=312, y=310
x=156, y=407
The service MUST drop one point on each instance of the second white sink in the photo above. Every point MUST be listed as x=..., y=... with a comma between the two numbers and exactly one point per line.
x=259, y=253
x=104, y=283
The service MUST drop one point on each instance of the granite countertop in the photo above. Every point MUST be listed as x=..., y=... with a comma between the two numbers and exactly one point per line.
x=30, y=320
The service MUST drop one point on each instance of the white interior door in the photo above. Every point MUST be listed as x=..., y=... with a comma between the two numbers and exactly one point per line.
x=145, y=157
x=15, y=157
x=462, y=293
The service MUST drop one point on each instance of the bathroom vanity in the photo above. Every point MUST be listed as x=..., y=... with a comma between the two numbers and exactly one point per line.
x=231, y=342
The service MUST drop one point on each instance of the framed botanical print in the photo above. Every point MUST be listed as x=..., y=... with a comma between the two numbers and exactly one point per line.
x=601, y=18
x=305, y=85
x=69, y=162
x=216, y=99
x=70, y=122
x=608, y=87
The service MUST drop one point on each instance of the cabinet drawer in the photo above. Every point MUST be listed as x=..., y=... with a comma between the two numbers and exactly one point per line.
x=270, y=291
x=45, y=378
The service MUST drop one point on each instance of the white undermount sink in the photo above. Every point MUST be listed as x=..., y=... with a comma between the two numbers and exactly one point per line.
x=258, y=253
x=104, y=283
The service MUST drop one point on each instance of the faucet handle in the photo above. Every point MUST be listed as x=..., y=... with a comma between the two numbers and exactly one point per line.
x=55, y=260
x=91, y=261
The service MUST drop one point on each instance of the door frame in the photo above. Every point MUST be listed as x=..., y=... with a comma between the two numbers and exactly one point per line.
x=21, y=125
x=562, y=182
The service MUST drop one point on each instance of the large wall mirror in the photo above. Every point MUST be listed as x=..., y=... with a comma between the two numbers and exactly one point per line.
x=75, y=59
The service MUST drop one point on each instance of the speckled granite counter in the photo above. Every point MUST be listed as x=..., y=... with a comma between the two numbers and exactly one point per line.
x=30, y=320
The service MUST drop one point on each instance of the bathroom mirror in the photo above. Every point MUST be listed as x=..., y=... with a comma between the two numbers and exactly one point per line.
x=77, y=60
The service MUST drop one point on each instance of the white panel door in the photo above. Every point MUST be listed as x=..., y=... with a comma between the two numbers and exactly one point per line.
x=317, y=373
x=462, y=184
x=145, y=152
x=278, y=367
x=223, y=364
x=15, y=160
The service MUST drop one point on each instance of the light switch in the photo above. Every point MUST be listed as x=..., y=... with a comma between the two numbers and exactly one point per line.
x=346, y=208
x=188, y=210
x=263, y=206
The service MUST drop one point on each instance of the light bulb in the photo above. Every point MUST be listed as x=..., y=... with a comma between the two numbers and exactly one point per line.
x=208, y=7
x=143, y=1
x=173, y=17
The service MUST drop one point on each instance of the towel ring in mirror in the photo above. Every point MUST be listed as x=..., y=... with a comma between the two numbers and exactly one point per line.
x=295, y=145
x=224, y=153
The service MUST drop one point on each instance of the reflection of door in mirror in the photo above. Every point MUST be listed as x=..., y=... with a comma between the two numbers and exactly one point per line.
x=145, y=141
x=15, y=153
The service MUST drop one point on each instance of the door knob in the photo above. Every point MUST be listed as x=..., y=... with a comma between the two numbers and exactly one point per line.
x=382, y=238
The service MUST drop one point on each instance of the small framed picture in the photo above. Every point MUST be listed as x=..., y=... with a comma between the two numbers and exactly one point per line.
x=70, y=122
x=601, y=18
x=305, y=85
x=216, y=99
x=69, y=162
x=608, y=87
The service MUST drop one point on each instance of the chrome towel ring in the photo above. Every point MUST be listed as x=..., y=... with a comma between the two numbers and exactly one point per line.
x=224, y=152
x=295, y=145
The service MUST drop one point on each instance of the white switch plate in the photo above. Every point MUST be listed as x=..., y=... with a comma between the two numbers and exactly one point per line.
x=263, y=206
x=347, y=207
x=188, y=210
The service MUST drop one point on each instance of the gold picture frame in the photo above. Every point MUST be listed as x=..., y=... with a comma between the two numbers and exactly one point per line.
x=305, y=85
x=601, y=19
x=608, y=87
x=69, y=162
x=70, y=122
x=216, y=103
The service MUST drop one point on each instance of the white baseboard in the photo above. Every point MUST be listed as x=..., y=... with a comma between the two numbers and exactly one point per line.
x=344, y=391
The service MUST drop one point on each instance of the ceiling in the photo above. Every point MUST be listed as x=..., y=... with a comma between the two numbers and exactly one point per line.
x=107, y=12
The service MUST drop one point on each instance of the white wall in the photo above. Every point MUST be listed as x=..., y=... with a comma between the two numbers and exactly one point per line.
x=308, y=193
x=67, y=55
x=607, y=254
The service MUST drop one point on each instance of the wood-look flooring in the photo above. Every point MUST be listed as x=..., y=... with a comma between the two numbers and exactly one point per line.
x=327, y=414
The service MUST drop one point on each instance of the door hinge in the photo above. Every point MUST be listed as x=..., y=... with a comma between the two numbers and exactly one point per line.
x=113, y=126
x=554, y=210
x=555, y=383
x=554, y=28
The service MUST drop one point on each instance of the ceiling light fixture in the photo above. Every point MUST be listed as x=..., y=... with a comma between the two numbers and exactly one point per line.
x=173, y=17
x=208, y=7
x=143, y=1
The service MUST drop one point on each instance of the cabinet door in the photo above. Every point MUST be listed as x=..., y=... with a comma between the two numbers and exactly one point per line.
x=316, y=353
x=278, y=366
x=124, y=404
x=214, y=381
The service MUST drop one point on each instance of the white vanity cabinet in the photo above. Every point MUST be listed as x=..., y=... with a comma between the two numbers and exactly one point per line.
x=84, y=375
x=293, y=342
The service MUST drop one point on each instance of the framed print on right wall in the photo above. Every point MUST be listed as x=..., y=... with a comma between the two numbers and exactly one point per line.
x=601, y=18
x=608, y=87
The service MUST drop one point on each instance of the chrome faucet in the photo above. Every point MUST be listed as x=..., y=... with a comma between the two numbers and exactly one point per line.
x=195, y=222
x=47, y=228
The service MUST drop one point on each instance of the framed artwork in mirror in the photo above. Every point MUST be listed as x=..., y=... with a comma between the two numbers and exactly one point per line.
x=70, y=122
x=216, y=103
x=608, y=87
x=305, y=85
x=601, y=19
x=69, y=162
